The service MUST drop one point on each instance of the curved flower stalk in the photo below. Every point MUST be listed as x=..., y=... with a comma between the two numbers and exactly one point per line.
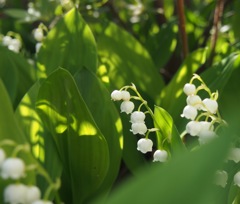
x=203, y=114
x=137, y=120
x=14, y=168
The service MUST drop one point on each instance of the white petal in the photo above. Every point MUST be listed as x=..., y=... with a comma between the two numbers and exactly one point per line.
x=116, y=95
x=127, y=106
x=189, y=112
x=144, y=145
x=189, y=89
x=125, y=95
x=137, y=117
x=139, y=128
x=160, y=155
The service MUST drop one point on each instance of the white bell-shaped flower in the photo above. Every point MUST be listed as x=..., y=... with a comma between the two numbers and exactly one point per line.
x=236, y=179
x=2, y=156
x=210, y=105
x=139, y=128
x=221, y=178
x=189, y=89
x=137, y=117
x=15, y=194
x=189, y=112
x=206, y=136
x=15, y=45
x=144, y=145
x=33, y=194
x=234, y=155
x=13, y=168
x=127, y=107
x=42, y=202
x=195, y=101
x=193, y=128
x=116, y=95
x=6, y=41
x=38, y=46
x=38, y=34
x=160, y=155
x=125, y=95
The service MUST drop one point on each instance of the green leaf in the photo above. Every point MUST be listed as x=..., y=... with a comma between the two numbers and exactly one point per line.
x=69, y=44
x=168, y=133
x=186, y=178
x=104, y=112
x=17, y=74
x=125, y=61
x=82, y=148
x=42, y=144
x=162, y=45
x=9, y=130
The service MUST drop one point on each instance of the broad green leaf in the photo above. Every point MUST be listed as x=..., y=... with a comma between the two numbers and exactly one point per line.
x=69, y=44
x=9, y=130
x=229, y=97
x=42, y=145
x=162, y=45
x=125, y=61
x=168, y=133
x=82, y=147
x=17, y=74
x=98, y=100
x=186, y=178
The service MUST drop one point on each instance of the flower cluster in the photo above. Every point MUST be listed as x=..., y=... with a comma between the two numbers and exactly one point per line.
x=12, y=41
x=137, y=120
x=13, y=169
x=202, y=113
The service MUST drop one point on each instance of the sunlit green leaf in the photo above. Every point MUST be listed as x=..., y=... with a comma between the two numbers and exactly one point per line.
x=69, y=44
x=98, y=100
x=41, y=140
x=82, y=147
x=167, y=133
x=125, y=61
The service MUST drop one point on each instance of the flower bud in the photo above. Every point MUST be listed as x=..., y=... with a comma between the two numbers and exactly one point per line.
x=125, y=95
x=193, y=128
x=236, y=179
x=160, y=155
x=38, y=34
x=6, y=41
x=210, y=105
x=139, y=128
x=137, y=117
x=42, y=202
x=221, y=178
x=33, y=194
x=234, y=155
x=116, y=95
x=2, y=156
x=13, y=168
x=189, y=112
x=189, y=89
x=15, y=193
x=127, y=106
x=144, y=145
x=15, y=45
x=195, y=101
x=206, y=136
x=38, y=46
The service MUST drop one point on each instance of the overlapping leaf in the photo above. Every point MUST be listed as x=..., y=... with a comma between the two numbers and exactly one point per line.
x=82, y=148
x=69, y=44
